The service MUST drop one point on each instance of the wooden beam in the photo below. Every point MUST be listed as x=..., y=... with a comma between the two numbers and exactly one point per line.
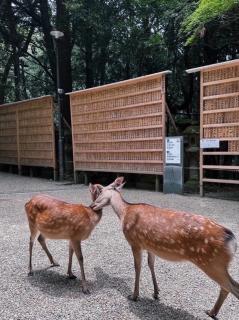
x=221, y=181
x=219, y=125
x=214, y=66
x=221, y=110
x=213, y=167
x=223, y=81
x=221, y=153
x=171, y=118
x=220, y=96
x=121, y=83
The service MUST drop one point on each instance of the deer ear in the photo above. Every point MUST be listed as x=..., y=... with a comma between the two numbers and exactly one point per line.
x=119, y=188
x=92, y=188
x=118, y=181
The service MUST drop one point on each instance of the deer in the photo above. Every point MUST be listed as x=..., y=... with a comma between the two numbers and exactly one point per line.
x=174, y=236
x=51, y=218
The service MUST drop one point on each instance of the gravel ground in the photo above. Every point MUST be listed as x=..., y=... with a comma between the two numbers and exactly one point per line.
x=185, y=292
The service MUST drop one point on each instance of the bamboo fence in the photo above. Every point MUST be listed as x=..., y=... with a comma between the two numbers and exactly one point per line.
x=27, y=135
x=120, y=127
x=219, y=117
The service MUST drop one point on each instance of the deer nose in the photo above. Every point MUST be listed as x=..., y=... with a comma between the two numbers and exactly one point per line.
x=92, y=205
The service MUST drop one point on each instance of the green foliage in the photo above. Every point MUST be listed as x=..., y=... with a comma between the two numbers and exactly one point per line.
x=204, y=13
x=113, y=40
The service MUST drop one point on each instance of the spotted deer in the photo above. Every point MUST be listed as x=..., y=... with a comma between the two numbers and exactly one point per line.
x=175, y=236
x=55, y=219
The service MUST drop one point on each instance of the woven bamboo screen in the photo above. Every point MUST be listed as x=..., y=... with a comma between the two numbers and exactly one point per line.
x=120, y=127
x=220, y=116
x=27, y=133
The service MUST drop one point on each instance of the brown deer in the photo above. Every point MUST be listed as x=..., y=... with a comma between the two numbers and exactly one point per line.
x=55, y=219
x=174, y=236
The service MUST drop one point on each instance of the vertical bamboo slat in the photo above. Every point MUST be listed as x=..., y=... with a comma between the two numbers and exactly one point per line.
x=120, y=127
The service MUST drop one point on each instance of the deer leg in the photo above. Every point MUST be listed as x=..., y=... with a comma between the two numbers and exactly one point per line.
x=220, y=275
x=31, y=242
x=69, y=271
x=151, y=260
x=222, y=297
x=30, y=273
x=137, y=265
x=42, y=242
x=76, y=245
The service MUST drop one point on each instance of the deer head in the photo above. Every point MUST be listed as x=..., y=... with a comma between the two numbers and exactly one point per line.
x=105, y=193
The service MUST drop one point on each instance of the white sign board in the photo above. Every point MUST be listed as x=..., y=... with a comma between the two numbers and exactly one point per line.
x=209, y=143
x=173, y=150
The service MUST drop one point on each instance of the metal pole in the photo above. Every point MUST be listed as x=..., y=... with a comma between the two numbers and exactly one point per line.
x=60, y=102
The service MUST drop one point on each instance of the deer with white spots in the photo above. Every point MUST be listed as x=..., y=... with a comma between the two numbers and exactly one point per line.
x=52, y=218
x=174, y=236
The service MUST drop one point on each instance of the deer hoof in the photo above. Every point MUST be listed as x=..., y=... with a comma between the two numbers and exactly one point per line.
x=86, y=291
x=210, y=314
x=156, y=296
x=55, y=264
x=132, y=297
x=30, y=274
x=71, y=276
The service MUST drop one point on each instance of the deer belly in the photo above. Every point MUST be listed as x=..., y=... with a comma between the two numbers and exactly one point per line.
x=170, y=256
x=56, y=233
x=166, y=253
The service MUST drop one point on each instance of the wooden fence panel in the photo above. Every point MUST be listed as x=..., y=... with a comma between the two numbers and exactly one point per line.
x=120, y=127
x=8, y=135
x=220, y=117
x=30, y=125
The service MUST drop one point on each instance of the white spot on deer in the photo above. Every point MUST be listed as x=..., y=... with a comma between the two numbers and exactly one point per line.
x=206, y=241
x=201, y=228
x=192, y=249
x=182, y=251
x=172, y=241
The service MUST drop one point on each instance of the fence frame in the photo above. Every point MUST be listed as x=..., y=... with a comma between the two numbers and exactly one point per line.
x=123, y=84
x=203, y=97
x=19, y=107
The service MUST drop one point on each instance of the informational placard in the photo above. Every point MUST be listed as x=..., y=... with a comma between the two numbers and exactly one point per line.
x=173, y=169
x=173, y=150
x=209, y=143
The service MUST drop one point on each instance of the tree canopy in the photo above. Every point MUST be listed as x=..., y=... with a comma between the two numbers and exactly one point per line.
x=107, y=40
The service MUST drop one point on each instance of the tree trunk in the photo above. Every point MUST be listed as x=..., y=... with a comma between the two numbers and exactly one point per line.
x=64, y=52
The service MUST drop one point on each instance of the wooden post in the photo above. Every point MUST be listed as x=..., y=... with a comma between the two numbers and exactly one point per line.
x=31, y=172
x=201, y=136
x=85, y=179
x=171, y=118
x=156, y=183
x=75, y=177
x=54, y=174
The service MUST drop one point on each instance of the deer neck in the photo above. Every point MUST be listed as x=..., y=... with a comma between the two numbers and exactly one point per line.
x=119, y=205
x=95, y=216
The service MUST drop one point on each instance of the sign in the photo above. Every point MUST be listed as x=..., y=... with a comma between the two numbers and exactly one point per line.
x=209, y=143
x=173, y=150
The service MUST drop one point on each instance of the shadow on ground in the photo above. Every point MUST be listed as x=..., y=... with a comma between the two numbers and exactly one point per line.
x=53, y=283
